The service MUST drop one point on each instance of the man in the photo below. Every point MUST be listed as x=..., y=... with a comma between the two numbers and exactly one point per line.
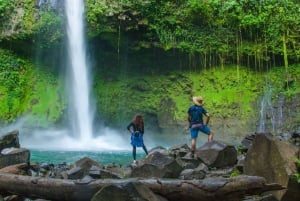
x=196, y=124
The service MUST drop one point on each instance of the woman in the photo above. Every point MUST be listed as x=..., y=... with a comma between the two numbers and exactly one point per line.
x=136, y=128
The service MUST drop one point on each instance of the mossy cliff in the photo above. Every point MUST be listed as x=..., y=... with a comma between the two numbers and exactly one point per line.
x=233, y=101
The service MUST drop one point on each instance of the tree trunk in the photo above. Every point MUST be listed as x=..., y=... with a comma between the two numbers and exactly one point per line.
x=193, y=190
x=285, y=54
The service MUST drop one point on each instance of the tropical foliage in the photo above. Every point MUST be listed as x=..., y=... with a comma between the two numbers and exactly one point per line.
x=149, y=51
x=259, y=34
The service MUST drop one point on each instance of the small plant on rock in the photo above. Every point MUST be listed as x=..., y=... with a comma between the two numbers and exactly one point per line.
x=297, y=175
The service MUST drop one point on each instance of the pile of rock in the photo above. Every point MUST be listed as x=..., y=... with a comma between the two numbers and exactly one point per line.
x=163, y=175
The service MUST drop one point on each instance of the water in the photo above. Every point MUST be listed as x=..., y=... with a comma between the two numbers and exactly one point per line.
x=81, y=114
x=271, y=114
x=266, y=111
x=69, y=157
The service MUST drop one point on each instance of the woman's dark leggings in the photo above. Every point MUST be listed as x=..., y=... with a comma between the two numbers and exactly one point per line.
x=134, y=151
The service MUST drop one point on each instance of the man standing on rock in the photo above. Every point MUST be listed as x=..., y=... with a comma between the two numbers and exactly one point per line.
x=196, y=124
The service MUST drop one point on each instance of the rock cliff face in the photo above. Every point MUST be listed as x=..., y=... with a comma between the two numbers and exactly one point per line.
x=280, y=118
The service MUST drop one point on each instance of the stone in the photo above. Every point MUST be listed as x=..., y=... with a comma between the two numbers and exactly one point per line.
x=189, y=174
x=75, y=173
x=157, y=165
x=19, y=169
x=272, y=159
x=9, y=140
x=12, y=156
x=217, y=154
x=128, y=192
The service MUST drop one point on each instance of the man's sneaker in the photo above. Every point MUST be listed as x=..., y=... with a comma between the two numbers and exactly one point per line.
x=192, y=155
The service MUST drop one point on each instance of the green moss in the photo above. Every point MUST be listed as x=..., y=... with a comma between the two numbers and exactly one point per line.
x=14, y=85
x=47, y=101
x=225, y=94
x=27, y=90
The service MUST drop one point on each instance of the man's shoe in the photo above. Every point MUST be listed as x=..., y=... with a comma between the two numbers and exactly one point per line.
x=192, y=155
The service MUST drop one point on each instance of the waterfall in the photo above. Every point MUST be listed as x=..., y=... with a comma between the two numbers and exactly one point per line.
x=271, y=114
x=80, y=135
x=81, y=115
x=266, y=113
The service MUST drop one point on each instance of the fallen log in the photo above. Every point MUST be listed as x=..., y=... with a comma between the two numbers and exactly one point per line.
x=193, y=190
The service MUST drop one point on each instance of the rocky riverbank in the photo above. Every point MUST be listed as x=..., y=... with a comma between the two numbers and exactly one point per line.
x=261, y=168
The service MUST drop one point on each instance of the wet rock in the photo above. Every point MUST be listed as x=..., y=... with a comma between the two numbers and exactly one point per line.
x=128, y=192
x=273, y=159
x=179, y=150
x=217, y=154
x=75, y=173
x=19, y=169
x=159, y=149
x=248, y=140
x=9, y=140
x=197, y=173
x=157, y=165
x=12, y=156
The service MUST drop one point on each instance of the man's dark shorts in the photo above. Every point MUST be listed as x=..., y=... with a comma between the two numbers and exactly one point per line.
x=196, y=128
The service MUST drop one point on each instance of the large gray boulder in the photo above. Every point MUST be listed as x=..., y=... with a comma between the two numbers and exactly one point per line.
x=86, y=166
x=10, y=139
x=217, y=154
x=127, y=192
x=157, y=165
x=12, y=156
x=273, y=159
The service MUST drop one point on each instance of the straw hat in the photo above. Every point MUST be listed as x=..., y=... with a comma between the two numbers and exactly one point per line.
x=198, y=100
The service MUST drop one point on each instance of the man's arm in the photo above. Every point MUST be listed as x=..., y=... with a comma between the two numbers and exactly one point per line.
x=189, y=119
x=207, y=118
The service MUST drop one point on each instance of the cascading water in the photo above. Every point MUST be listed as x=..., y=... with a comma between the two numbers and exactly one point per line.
x=82, y=136
x=81, y=114
x=271, y=115
x=266, y=111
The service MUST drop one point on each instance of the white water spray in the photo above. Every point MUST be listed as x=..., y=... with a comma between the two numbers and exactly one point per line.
x=81, y=112
x=81, y=116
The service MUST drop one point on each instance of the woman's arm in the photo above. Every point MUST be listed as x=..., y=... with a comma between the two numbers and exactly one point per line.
x=129, y=127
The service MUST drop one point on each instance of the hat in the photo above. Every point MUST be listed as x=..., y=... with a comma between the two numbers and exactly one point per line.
x=198, y=100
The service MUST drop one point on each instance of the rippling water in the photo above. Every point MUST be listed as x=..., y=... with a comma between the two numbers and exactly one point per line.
x=103, y=157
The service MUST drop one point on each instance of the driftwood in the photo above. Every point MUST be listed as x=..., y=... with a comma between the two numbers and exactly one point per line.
x=193, y=190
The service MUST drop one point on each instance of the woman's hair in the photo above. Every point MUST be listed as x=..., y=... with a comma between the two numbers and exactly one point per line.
x=138, y=121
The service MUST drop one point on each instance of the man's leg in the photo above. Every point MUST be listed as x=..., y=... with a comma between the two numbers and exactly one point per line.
x=205, y=129
x=194, y=135
x=210, y=137
x=193, y=146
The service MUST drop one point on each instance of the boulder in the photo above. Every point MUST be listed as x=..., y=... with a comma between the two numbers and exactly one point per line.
x=86, y=163
x=10, y=139
x=127, y=192
x=179, y=150
x=97, y=173
x=273, y=159
x=19, y=169
x=12, y=156
x=157, y=165
x=217, y=154
x=197, y=173
x=75, y=173
x=160, y=149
